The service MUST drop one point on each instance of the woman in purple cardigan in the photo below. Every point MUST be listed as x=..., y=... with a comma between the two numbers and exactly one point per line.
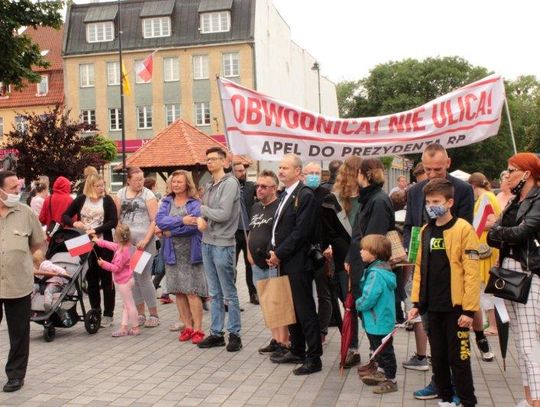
x=182, y=253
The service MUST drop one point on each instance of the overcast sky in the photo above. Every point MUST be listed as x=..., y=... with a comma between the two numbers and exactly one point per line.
x=350, y=37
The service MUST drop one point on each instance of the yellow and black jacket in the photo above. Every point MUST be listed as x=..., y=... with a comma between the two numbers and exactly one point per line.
x=461, y=246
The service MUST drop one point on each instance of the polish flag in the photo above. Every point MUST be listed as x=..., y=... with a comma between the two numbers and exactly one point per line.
x=484, y=210
x=79, y=245
x=139, y=261
x=145, y=69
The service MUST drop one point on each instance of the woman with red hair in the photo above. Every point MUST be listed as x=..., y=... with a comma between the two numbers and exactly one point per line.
x=517, y=235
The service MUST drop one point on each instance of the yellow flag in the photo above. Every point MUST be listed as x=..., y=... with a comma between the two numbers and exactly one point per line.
x=125, y=81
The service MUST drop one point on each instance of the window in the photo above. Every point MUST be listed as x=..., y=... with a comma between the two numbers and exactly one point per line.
x=215, y=22
x=115, y=119
x=231, y=64
x=113, y=73
x=144, y=114
x=139, y=67
x=43, y=86
x=86, y=72
x=170, y=69
x=157, y=27
x=4, y=90
x=88, y=117
x=21, y=124
x=100, y=32
x=172, y=113
x=116, y=180
x=200, y=67
x=202, y=114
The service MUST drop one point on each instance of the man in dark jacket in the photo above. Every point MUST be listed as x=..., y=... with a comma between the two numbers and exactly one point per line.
x=291, y=237
x=333, y=169
x=247, y=198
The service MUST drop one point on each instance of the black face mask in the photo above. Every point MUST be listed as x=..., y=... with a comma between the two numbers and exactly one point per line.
x=517, y=189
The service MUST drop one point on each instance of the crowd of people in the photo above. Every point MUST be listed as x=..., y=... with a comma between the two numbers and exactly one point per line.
x=335, y=235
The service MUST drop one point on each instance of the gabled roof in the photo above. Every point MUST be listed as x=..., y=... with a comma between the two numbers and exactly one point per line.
x=50, y=44
x=179, y=145
x=184, y=27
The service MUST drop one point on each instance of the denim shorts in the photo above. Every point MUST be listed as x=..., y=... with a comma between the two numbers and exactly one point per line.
x=262, y=274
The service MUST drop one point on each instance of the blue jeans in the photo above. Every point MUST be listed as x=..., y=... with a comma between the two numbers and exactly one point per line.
x=262, y=274
x=219, y=269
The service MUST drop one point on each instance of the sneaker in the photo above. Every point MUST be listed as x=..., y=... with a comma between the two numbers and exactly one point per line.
x=374, y=379
x=523, y=403
x=388, y=386
x=270, y=348
x=235, y=343
x=185, y=335
x=197, y=337
x=483, y=347
x=106, y=322
x=414, y=363
x=448, y=404
x=280, y=350
x=212, y=341
x=352, y=359
x=427, y=393
x=367, y=369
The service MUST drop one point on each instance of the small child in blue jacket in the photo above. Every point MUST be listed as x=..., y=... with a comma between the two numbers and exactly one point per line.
x=378, y=310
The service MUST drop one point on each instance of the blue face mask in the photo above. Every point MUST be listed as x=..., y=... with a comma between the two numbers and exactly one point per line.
x=436, y=211
x=313, y=180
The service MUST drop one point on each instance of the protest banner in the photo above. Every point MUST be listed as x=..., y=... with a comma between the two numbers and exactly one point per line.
x=265, y=128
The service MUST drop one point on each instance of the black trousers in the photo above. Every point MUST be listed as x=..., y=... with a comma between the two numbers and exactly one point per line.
x=324, y=298
x=451, y=356
x=306, y=331
x=241, y=245
x=100, y=279
x=387, y=358
x=17, y=312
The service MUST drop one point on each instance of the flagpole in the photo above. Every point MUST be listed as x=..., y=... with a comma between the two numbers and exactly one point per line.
x=123, y=131
x=510, y=124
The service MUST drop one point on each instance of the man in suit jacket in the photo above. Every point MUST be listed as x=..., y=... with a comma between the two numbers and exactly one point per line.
x=291, y=236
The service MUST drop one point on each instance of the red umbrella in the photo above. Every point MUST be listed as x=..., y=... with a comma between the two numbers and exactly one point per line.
x=346, y=327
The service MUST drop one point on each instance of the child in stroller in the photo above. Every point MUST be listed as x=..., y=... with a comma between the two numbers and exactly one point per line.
x=49, y=274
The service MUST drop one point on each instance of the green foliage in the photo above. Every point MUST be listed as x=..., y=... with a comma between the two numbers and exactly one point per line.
x=397, y=86
x=104, y=148
x=53, y=145
x=346, y=92
x=19, y=53
x=387, y=162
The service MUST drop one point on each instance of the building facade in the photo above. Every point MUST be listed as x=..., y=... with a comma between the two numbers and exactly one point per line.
x=35, y=97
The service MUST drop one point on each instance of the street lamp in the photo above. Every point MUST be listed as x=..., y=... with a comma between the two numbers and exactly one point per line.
x=317, y=67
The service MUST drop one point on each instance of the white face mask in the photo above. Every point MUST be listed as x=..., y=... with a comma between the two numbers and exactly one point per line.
x=11, y=200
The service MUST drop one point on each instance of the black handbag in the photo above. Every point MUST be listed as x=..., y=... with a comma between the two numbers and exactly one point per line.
x=509, y=284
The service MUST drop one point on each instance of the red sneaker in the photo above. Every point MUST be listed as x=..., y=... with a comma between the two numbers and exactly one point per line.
x=197, y=337
x=185, y=335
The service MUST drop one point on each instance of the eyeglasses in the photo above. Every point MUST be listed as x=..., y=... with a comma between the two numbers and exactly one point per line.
x=260, y=186
x=511, y=170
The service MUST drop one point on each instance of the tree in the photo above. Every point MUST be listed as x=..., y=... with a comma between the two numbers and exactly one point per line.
x=19, y=53
x=53, y=144
x=346, y=92
x=397, y=86
x=104, y=148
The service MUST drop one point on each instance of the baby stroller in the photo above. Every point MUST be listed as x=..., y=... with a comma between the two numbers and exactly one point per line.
x=63, y=310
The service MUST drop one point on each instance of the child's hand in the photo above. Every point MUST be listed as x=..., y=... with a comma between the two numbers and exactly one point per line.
x=413, y=313
x=100, y=261
x=464, y=321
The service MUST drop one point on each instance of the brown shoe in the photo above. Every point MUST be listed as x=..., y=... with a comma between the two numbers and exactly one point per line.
x=352, y=359
x=374, y=378
x=387, y=386
x=367, y=369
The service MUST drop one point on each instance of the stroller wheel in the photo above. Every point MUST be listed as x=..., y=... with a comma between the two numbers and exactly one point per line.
x=92, y=320
x=49, y=333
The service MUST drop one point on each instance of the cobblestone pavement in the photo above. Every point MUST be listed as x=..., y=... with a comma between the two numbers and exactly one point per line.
x=155, y=369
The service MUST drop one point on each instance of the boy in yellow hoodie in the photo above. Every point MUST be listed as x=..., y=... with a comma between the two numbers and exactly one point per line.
x=446, y=285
